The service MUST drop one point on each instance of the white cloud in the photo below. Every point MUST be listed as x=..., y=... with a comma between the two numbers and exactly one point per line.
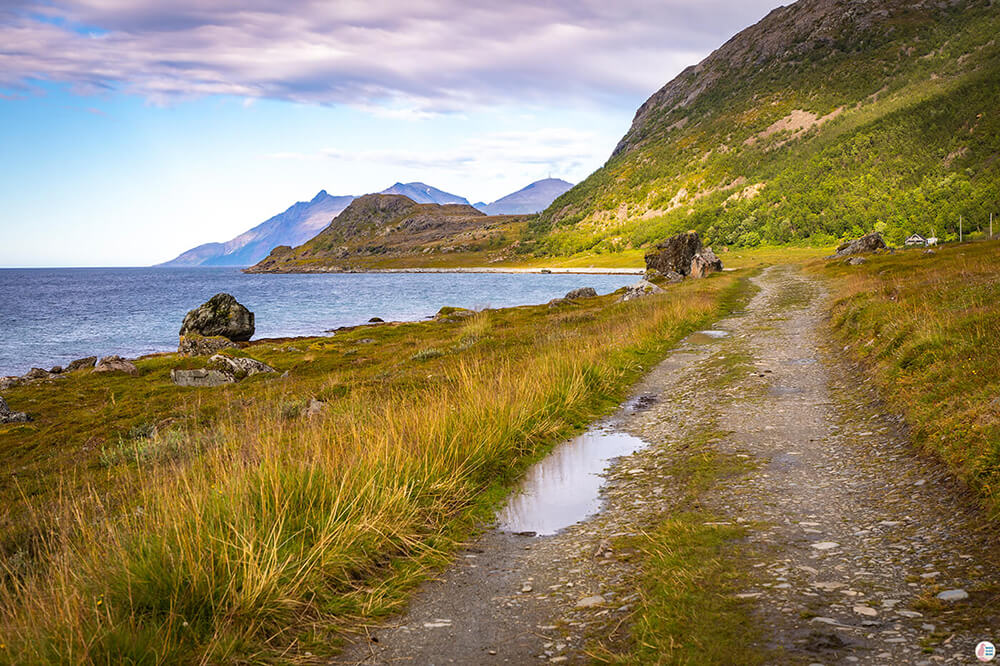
x=401, y=58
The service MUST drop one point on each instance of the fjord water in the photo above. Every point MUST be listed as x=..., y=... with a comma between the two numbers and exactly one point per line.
x=52, y=316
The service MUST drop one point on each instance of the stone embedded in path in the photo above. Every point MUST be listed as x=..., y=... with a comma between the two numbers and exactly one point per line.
x=866, y=611
x=953, y=595
x=825, y=545
x=590, y=602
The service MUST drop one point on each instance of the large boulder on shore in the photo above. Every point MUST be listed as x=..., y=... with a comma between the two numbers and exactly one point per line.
x=582, y=292
x=868, y=243
x=674, y=254
x=222, y=316
x=683, y=254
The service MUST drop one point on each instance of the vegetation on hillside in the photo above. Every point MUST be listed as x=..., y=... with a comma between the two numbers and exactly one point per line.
x=927, y=327
x=820, y=123
x=149, y=523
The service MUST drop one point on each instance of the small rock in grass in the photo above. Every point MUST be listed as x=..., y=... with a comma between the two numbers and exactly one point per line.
x=953, y=595
x=116, y=364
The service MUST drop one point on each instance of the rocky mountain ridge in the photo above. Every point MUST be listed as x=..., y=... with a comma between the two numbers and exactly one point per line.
x=828, y=119
x=378, y=227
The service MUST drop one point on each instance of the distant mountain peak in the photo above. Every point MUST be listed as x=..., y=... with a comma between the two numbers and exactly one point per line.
x=532, y=198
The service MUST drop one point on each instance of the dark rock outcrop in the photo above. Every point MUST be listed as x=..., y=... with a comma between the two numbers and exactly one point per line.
x=675, y=253
x=116, y=364
x=36, y=373
x=868, y=243
x=7, y=416
x=582, y=292
x=81, y=364
x=222, y=316
x=683, y=254
x=194, y=344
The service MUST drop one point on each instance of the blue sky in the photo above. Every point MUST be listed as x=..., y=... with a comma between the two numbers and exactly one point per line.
x=131, y=131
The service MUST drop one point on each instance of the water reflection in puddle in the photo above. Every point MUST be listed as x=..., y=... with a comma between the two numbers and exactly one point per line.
x=705, y=337
x=564, y=488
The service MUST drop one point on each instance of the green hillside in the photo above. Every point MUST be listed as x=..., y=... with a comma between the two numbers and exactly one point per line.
x=829, y=118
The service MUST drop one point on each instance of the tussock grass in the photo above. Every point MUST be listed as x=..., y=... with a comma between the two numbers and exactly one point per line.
x=286, y=529
x=928, y=326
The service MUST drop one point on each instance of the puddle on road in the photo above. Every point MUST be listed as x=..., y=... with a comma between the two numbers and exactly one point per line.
x=564, y=488
x=705, y=337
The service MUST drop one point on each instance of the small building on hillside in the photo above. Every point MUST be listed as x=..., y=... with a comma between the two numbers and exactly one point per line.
x=915, y=240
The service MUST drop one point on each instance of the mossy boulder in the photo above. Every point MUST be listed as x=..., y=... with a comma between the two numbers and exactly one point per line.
x=221, y=316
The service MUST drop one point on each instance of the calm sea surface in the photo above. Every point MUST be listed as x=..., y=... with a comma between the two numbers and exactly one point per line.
x=52, y=316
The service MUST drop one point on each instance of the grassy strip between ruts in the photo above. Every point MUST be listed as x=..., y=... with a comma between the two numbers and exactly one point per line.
x=928, y=326
x=275, y=531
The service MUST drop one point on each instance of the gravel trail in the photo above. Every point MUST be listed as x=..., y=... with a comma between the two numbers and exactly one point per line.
x=859, y=550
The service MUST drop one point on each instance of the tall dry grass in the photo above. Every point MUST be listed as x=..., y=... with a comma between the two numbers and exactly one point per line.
x=928, y=326
x=263, y=545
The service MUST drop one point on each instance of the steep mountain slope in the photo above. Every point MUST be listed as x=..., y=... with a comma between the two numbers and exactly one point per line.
x=531, y=199
x=422, y=193
x=295, y=226
x=827, y=119
x=380, y=228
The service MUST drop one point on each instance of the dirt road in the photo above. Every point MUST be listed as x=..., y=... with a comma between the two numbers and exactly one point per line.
x=852, y=537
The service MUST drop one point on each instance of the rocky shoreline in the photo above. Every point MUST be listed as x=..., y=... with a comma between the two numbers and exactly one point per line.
x=483, y=269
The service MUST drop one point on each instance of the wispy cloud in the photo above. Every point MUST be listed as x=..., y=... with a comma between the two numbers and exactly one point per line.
x=403, y=58
x=561, y=150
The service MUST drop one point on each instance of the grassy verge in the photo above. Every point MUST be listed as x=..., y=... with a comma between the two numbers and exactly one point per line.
x=693, y=566
x=147, y=523
x=928, y=326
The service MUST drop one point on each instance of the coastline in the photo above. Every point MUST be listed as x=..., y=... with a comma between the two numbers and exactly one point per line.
x=540, y=270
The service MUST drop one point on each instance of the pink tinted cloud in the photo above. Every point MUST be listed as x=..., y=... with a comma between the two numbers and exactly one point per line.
x=429, y=55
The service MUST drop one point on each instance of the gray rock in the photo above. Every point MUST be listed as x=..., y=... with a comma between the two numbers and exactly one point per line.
x=220, y=315
x=869, y=243
x=590, y=602
x=81, y=364
x=705, y=262
x=116, y=364
x=35, y=373
x=8, y=382
x=314, y=408
x=856, y=261
x=194, y=344
x=7, y=416
x=376, y=320
x=953, y=595
x=204, y=377
x=582, y=292
x=238, y=367
x=56, y=370
x=640, y=289
x=556, y=302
